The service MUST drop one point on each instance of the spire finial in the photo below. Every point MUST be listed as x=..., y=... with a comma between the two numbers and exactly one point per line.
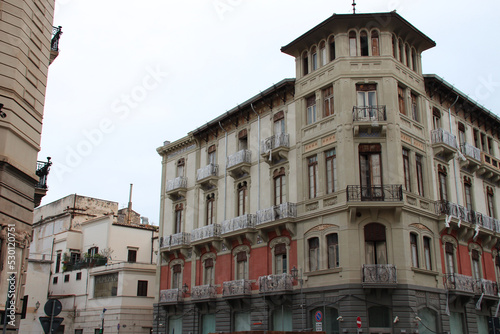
x=354, y=6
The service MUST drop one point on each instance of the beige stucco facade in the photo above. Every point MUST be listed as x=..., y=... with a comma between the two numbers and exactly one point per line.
x=25, y=35
x=384, y=207
x=85, y=255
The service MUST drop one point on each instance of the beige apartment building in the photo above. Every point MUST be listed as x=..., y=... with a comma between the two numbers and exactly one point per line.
x=361, y=196
x=29, y=43
x=91, y=256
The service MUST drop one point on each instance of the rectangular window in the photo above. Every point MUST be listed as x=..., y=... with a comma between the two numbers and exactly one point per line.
x=332, y=242
x=180, y=167
x=92, y=251
x=312, y=167
x=476, y=139
x=328, y=101
x=78, y=276
x=436, y=119
x=461, y=134
x=305, y=64
x=242, y=198
x=313, y=254
x=443, y=190
x=78, y=331
x=212, y=155
x=311, y=110
x=420, y=174
x=331, y=171
x=178, y=218
x=427, y=253
x=375, y=44
x=279, y=188
x=468, y=195
x=58, y=262
x=406, y=169
x=490, y=202
x=210, y=209
x=476, y=270
x=132, y=255
x=75, y=257
x=414, y=107
x=280, y=259
x=243, y=140
x=450, y=258
x=208, y=275
x=54, y=280
x=490, y=145
x=414, y=250
x=332, y=49
x=279, y=126
x=66, y=278
x=176, y=276
x=106, y=285
x=142, y=288
x=370, y=167
x=401, y=100
x=241, y=266
x=484, y=146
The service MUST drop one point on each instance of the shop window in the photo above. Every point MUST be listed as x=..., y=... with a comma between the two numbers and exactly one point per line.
x=428, y=324
x=242, y=321
x=282, y=319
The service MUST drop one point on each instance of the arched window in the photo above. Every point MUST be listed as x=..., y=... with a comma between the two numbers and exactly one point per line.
x=180, y=167
x=212, y=158
x=401, y=51
x=331, y=42
x=407, y=55
x=352, y=44
x=414, y=60
x=363, y=41
x=428, y=322
x=414, y=250
x=210, y=209
x=468, y=193
x=375, y=244
x=490, y=202
x=176, y=268
x=394, y=47
x=313, y=254
x=242, y=198
x=178, y=218
x=314, y=59
x=375, y=44
x=305, y=63
x=322, y=53
x=332, y=242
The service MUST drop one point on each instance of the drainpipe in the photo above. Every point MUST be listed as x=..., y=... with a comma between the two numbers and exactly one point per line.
x=258, y=158
x=454, y=160
x=225, y=173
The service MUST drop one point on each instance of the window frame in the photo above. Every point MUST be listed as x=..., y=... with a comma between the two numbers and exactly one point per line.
x=312, y=175
x=279, y=182
x=178, y=215
x=210, y=209
x=406, y=169
x=314, y=253
x=331, y=170
x=142, y=288
x=328, y=101
x=241, y=198
x=414, y=250
x=311, y=112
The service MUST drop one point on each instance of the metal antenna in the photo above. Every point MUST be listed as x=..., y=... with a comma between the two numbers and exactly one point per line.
x=354, y=6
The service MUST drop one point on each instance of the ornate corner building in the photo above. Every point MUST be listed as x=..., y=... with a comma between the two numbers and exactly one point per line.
x=360, y=193
x=29, y=44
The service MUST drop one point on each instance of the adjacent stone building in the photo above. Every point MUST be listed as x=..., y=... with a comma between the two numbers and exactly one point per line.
x=29, y=43
x=363, y=193
x=91, y=256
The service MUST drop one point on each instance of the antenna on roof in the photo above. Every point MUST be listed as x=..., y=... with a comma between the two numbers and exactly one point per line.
x=354, y=6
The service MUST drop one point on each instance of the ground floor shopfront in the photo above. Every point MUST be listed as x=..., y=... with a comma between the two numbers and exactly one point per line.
x=334, y=310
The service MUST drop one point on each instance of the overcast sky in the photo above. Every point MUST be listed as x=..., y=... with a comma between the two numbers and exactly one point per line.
x=131, y=75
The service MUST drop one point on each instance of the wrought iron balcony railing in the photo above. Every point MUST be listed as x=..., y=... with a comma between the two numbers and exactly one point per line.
x=465, y=215
x=459, y=282
x=243, y=156
x=487, y=287
x=379, y=274
x=56, y=35
x=177, y=239
x=205, y=232
x=240, y=287
x=177, y=183
x=279, y=140
x=275, y=283
x=441, y=136
x=42, y=171
x=200, y=292
x=470, y=151
x=277, y=212
x=207, y=171
x=238, y=223
x=171, y=296
x=369, y=114
x=386, y=193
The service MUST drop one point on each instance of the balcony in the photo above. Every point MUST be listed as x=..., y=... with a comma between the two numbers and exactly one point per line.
x=237, y=289
x=171, y=296
x=387, y=193
x=209, y=234
x=379, y=275
x=203, y=292
x=275, y=284
x=275, y=148
x=176, y=188
x=177, y=240
x=490, y=167
x=463, y=215
x=489, y=288
x=238, y=164
x=444, y=144
x=459, y=283
x=369, y=117
x=239, y=225
x=472, y=156
x=54, y=43
x=283, y=214
x=207, y=176
x=42, y=171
